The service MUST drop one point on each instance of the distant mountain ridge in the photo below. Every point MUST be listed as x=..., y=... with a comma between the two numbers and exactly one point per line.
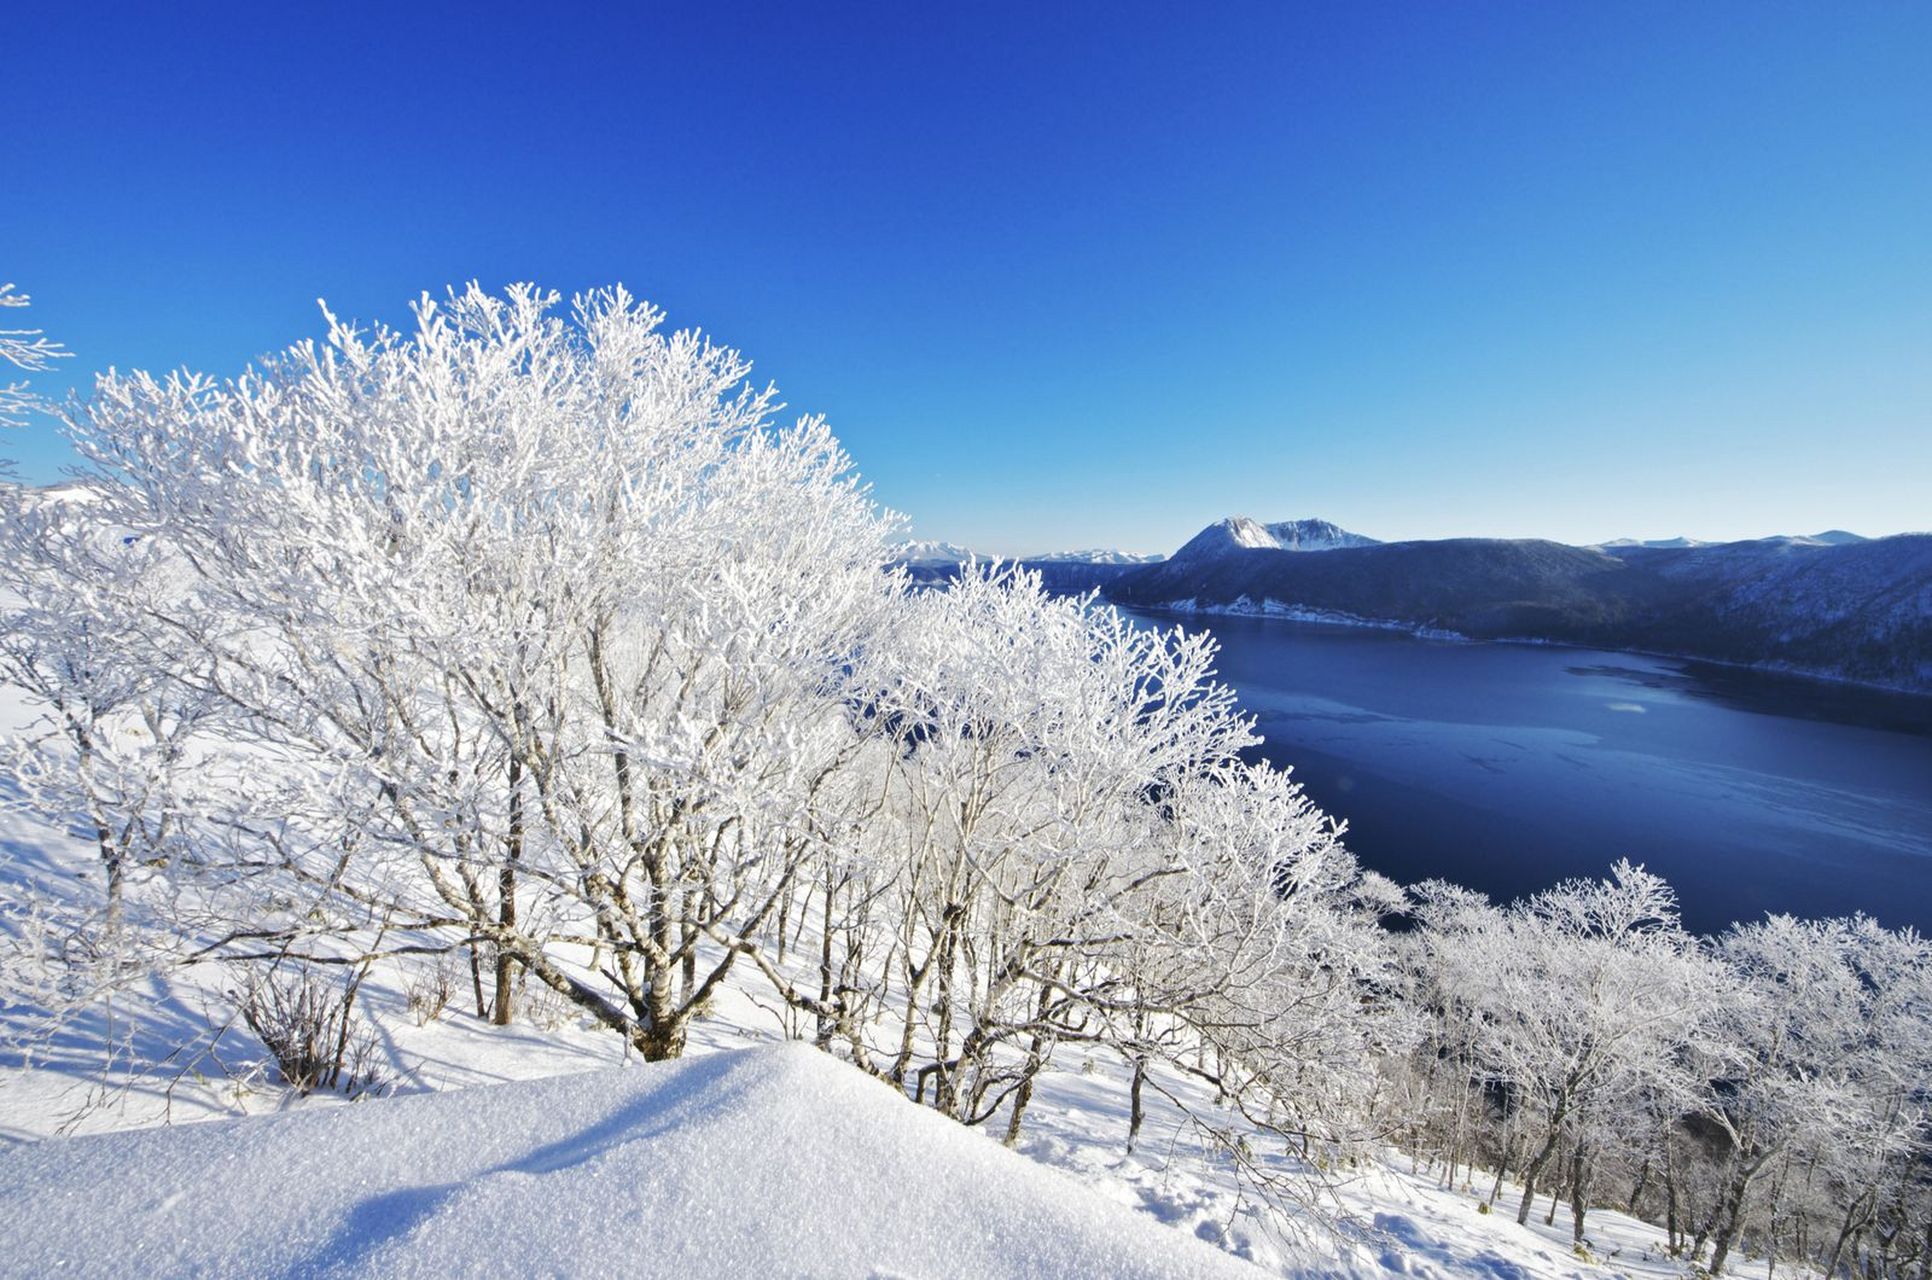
x=1065, y=572
x=1831, y=604
x=1829, y=538
x=1097, y=555
x=926, y=552
x=935, y=553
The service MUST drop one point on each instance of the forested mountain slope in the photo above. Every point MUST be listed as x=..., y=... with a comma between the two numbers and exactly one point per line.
x=1857, y=609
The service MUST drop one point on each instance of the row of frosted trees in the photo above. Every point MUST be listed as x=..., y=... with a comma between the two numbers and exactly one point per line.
x=528, y=641
x=1765, y=1091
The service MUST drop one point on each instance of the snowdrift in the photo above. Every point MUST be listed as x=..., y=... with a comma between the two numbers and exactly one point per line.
x=768, y=1161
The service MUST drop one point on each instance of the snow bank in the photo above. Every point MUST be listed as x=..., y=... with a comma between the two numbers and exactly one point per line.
x=769, y=1161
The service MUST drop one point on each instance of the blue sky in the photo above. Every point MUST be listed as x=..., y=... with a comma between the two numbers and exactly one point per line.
x=1070, y=275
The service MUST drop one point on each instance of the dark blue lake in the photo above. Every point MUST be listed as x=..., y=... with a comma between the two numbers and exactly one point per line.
x=1509, y=767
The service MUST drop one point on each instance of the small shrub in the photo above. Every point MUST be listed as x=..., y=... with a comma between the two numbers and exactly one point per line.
x=543, y=1006
x=311, y=1030
x=429, y=990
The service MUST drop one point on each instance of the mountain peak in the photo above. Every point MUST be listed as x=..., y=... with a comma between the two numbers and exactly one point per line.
x=1316, y=535
x=1243, y=533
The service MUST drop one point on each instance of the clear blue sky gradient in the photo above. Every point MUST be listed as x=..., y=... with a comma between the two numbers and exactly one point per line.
x=1069, y=275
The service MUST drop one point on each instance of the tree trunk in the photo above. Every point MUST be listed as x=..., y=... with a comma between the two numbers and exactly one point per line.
x=1136, y=1112
x=1854, y=1219
x=1771, y=1224
x=113, y=860
x=476, y=983
x=661, y=1041
x=1673, y=1234
x=506, y=889
x=1730, y=1219
x=1502, y=1171
x=1459, y=1144
x=942, y=1098
x=1534, y=1168
x=1021, y=1097
x=1637, y=1191
x=1579, y=1191
x=827, y=1027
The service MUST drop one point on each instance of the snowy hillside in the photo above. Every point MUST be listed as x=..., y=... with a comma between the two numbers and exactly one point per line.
x=769, y=1160
x=774, y=1161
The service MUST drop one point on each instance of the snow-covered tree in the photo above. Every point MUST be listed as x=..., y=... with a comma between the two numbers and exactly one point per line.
x=29, y=350
x=1030, y=736
x=1576, y=1002
x=1061, y=846
x=103, y=754
x=1824, y=1059
x=528, y=633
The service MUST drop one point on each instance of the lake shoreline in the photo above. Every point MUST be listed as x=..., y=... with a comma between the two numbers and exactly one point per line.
x=1274, y=611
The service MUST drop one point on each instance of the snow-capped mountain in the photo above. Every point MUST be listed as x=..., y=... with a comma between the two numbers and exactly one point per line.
x=1316, y=535
x=1666, y=543
x=1239, y=533
x=932, y=553
x=1097, y=555
x=1064, y=572
x=1829, y=538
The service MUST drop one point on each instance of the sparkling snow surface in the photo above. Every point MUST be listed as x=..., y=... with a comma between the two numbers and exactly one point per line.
x=772, y=1161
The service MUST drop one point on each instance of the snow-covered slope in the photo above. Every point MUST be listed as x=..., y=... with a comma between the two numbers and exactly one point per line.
x=1315, y=535
x=771, y=1161
x=776, y=1160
